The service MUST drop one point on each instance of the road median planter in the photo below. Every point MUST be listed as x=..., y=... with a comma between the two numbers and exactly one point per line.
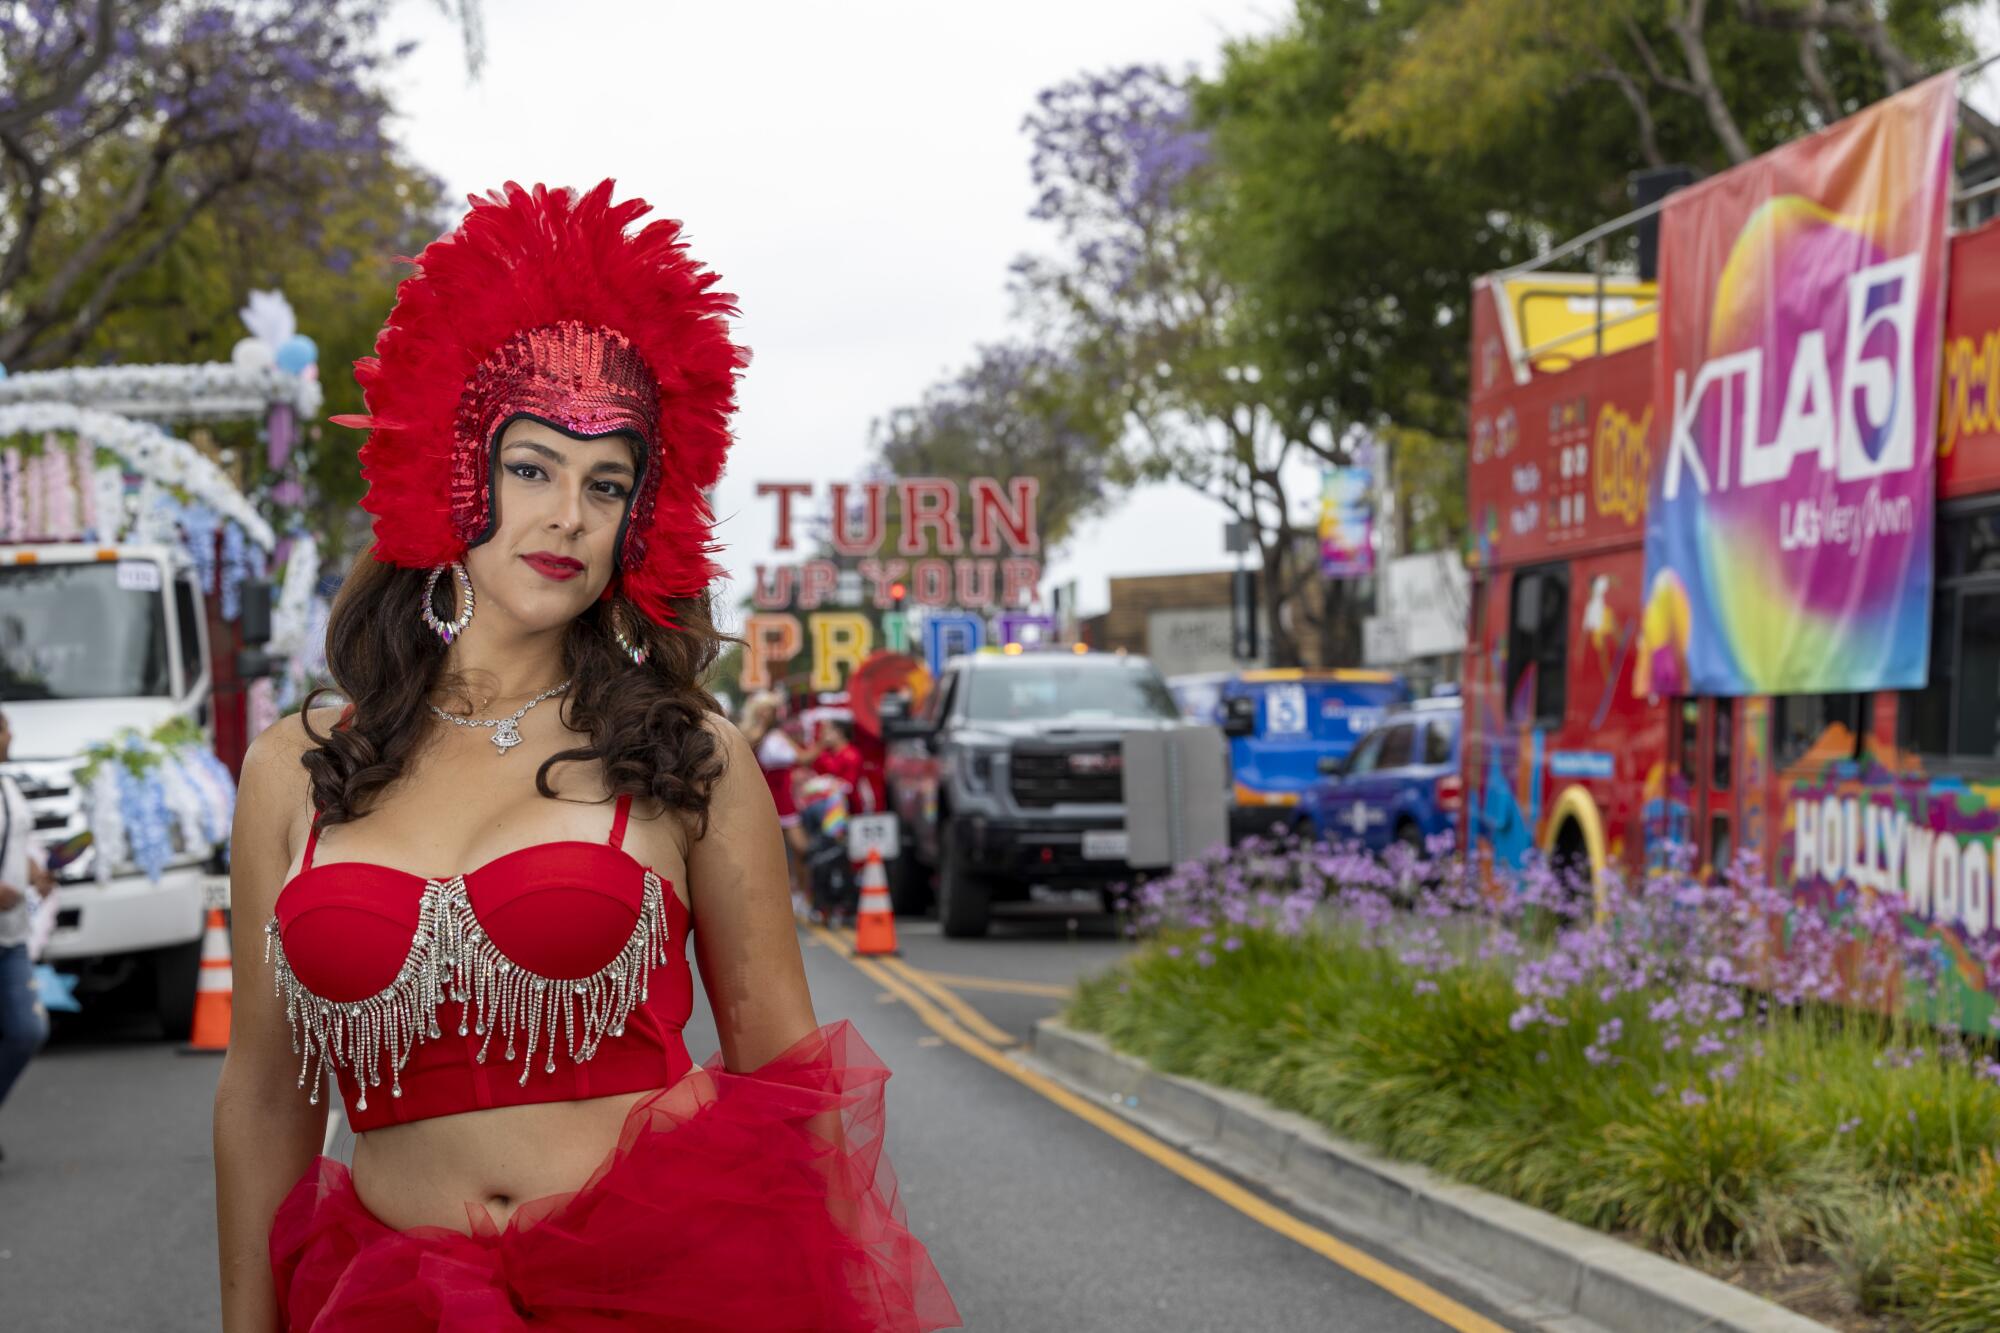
x=1569, y=1268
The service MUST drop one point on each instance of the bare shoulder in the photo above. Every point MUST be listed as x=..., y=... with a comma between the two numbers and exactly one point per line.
x=739, y=785
x=274, y=791
x=739, y=759
x=731, y=791
x=728, y=735
x=274, y=756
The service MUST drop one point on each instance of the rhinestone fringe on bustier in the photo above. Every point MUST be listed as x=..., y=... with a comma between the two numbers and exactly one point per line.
x=452, y=959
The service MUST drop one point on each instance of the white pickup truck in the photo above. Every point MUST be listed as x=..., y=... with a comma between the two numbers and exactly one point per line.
x=94, y=640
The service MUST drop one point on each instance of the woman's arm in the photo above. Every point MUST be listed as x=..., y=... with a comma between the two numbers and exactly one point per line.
x=744, y=938
x=266, y=1131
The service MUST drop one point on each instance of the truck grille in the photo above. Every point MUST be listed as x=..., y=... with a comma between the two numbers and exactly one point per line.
x=1048, y=777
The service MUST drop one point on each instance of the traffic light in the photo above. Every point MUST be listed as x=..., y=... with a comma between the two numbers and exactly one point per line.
x=896, y=591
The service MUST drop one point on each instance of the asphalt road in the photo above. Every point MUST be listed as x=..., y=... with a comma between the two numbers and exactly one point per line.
x=1037, y=1218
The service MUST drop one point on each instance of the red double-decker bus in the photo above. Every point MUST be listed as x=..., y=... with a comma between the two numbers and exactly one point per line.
x=1570, y=753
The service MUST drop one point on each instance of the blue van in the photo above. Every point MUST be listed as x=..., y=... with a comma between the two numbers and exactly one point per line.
x=1400, y=784
x=1284, y=724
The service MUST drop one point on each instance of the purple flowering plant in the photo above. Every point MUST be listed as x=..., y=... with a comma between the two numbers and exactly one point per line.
x=1686, y=1056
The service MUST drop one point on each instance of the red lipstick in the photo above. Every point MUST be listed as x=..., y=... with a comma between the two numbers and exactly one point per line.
x=561, y=568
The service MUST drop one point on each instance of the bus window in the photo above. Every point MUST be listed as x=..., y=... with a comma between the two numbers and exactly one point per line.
x=1802, y=718
x=1923, y=717
x=1690, y=739
x=1957, y=714
x=1538, y=637
x=1975, y=730
x=1719, y=850
x=1725, y=728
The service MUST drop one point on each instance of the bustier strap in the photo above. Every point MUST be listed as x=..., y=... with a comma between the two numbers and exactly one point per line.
x=618, y=820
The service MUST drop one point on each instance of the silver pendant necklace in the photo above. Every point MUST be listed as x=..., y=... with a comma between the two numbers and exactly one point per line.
x=506, y=730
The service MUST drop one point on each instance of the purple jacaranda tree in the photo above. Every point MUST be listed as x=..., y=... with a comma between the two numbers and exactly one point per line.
x=1016, y=410
x=123, y=122
x=1127, y=181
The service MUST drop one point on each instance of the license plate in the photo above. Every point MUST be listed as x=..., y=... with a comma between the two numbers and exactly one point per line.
x=1104, y=844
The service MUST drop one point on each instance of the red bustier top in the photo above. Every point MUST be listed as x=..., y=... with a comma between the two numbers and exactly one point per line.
x=553, y=973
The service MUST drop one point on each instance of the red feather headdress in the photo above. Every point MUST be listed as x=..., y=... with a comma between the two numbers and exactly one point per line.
x=540, y=304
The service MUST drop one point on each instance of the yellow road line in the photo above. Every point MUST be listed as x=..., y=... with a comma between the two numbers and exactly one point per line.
x=977, y=1022
x=1362, y=1264
x=1000, y=985
x=842, y=942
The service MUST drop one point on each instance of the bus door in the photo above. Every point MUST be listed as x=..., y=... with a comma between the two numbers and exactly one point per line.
x=1701, y=756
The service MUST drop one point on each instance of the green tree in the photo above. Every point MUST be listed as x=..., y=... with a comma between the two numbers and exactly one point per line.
x=1375, y=156
x=341, y=280
x=1350, y=259
x=1135, y=298
x=1699, y=81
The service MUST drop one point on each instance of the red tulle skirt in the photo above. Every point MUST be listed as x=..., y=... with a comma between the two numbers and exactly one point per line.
x=730, y=1203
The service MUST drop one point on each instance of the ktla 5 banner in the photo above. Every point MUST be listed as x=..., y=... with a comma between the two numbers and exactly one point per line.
x=1788, y=538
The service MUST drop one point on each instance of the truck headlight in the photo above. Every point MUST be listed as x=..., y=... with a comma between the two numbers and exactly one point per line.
x=979, y=769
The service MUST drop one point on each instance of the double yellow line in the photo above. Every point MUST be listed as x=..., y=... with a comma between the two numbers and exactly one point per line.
x=937, y=1007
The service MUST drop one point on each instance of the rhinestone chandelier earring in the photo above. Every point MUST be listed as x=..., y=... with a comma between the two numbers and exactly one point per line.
x=629, y=642
x=448, y=630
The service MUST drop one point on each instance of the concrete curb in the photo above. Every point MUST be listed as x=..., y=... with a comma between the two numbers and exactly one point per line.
x=1598, y=1279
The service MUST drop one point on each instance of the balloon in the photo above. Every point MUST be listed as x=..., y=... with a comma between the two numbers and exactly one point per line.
x=310, y=372
x=250, y=354
x=296, y=353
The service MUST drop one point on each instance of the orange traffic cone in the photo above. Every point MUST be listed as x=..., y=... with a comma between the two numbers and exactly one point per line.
x=212, y=988
x=875, y=924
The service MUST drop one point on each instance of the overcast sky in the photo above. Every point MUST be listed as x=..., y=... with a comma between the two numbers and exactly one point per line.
x=857, y=174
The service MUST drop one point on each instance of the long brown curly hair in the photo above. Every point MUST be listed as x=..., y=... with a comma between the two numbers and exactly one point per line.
x=645, y=723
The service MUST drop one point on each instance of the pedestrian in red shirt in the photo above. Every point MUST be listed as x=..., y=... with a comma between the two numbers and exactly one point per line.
x=835, y=755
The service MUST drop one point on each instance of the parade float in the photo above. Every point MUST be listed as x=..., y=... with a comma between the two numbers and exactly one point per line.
x=1734, y=548
x=142, y=644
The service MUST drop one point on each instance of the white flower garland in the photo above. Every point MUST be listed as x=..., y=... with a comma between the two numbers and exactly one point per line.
x=184, y=805
x=107, y=824
x=294, y=608
x=181, y=787
x=208, y=391
x=146, y=449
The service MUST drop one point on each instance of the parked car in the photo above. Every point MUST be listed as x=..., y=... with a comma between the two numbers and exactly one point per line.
x=1011, y=775
x=1285, y=726
x=1400, y=784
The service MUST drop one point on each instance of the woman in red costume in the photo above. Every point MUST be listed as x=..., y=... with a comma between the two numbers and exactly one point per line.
x=468, y=896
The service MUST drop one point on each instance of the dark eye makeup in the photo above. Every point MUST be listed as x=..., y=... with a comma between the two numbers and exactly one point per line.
x=608, y=487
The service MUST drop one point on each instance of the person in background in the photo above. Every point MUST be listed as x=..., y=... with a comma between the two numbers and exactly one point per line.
x=834, y=754
x=24, y=1023
x=763, y=726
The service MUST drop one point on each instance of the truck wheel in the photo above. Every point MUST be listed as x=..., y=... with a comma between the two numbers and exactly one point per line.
x=965, y=907
x=909, y=885
x=175, y=970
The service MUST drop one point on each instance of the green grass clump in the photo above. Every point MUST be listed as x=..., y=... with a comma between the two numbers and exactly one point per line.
x=1826, y=1131
x=1934, y=1252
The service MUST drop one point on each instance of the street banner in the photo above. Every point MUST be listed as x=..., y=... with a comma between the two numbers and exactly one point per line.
x=1788, y=538
x=1346, y=522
